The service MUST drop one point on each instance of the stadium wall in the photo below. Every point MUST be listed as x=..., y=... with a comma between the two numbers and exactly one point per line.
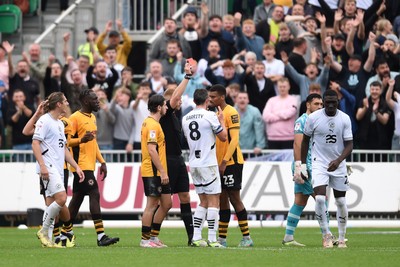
x=267, y=188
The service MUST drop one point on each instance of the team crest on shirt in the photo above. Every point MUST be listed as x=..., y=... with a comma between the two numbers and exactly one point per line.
x=331, y=125
x=235, y=118
x=297, y=126
x=152, y=134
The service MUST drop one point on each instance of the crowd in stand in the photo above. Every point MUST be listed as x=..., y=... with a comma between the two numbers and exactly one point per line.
x=269, y=63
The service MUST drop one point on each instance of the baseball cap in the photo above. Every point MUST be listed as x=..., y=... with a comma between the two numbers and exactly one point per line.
x=93, y=29
x=190, y=9
x=311, y=17
x=113, y=34
x=393, y=38
x=339, y=36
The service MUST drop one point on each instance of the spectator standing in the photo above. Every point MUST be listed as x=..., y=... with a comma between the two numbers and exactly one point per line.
x=140, y=112
x=124, y=122
x=285, y=42
x=37, y=67
x=89, y=48
x=105, y=120
x=114, y=39
x=230, y=76
x=21, y=79
x=52, y=78
x=3, y=66
x=392, y=99
x=192, y=29
x=97, y=76
x=159, y=47
x=224, y=38
x=127, y=81
x=18, y=115
x=274, y=68
x=252, y=134
x=373, y=116
x=171, y=59
x=279, y=115
x=212, y=60
x=263, y=11
x=72, y=89
x=110, y=57
x=246, y=37
x=259, y=88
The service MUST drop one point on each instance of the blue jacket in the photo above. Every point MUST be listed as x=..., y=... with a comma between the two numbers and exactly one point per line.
x=254, y=44
x=348, y=105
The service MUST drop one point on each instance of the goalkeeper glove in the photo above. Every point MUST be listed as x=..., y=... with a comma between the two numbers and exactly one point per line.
x=297, y=173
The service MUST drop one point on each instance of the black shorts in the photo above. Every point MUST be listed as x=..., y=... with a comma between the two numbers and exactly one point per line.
x=66, y=175
x=89, y=184
x=232, y=178
x=42, y=187
x=154, y=188
x=178, y=174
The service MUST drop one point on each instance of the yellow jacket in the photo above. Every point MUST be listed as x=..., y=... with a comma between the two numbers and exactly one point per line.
x=123, y=49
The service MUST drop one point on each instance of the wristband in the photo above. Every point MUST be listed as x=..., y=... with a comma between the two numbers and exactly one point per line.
x=188, y=77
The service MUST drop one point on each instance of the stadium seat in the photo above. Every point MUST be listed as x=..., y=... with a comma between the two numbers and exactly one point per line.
x=10, y=18
x=34, y=6
x=8, y=22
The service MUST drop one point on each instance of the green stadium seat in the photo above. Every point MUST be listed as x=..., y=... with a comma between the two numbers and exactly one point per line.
x=10, y=18
x=8, y=22
x=33, y=6
x=13, y=9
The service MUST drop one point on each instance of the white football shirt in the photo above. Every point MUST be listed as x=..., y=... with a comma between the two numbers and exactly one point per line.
x=328, y=136
x=51, y=134
x=200, y=127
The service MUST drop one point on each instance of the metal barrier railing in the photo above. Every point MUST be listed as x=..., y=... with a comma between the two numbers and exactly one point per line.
x=117, y=156
x=52, y=29
x=145, y=18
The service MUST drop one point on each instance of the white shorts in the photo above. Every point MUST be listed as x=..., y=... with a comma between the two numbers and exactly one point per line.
x=337, y=182
x=206, y=180
x=55, y=184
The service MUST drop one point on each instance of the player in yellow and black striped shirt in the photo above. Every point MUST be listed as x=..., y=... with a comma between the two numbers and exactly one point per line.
x=154, y=173
x=230, y=161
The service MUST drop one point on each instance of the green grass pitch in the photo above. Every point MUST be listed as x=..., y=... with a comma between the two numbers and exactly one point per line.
x=366, y=247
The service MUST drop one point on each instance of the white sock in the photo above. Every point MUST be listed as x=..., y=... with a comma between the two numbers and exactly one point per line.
x=341, y=216
x=51, y=229
x=99, y=236
x=51, y=212
x=198, y=219
x=320, y=213
x=212, y=220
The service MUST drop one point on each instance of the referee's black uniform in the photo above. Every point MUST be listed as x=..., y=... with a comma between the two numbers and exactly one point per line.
x=177, y=172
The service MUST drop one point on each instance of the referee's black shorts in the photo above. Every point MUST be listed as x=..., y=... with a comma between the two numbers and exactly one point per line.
x=178, y=174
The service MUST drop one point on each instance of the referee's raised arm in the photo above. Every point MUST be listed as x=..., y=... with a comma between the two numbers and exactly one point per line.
x=178, y=92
